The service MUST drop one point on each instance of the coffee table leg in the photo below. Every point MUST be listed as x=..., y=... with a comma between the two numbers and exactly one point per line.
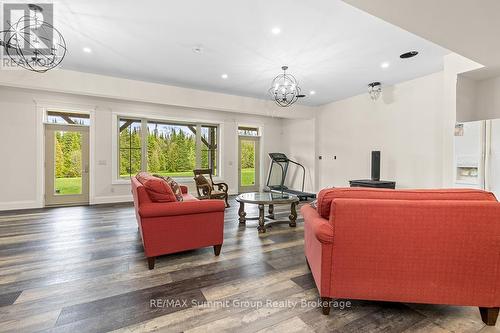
x=271, y=211
x=242, y=213
x=262, y=227
x=293, y=215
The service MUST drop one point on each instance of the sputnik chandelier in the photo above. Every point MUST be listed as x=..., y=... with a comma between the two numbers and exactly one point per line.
x=284, y=89
x=33, y=43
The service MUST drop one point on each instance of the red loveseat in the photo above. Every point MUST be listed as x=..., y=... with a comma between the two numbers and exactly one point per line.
x=415, y=246
x=169, y=227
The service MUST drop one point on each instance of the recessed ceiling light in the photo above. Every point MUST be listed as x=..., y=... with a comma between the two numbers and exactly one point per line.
x=224, y=76
x=276, y=30
x=407, y=55
x=385, y=64
x=87, y=50
x=198, y=49
x=312, y=92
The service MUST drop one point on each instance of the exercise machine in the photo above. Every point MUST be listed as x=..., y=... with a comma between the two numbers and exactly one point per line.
x=282, y=161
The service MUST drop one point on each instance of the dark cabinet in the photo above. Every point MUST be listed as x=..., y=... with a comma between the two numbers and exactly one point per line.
x=373, y=183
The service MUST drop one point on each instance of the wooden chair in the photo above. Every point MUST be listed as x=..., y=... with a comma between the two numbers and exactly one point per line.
x=207, y=188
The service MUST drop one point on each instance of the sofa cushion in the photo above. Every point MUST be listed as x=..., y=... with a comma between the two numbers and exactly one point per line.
x=157, y=188
x=188, y=197
x=326, y=196
x=176, y=189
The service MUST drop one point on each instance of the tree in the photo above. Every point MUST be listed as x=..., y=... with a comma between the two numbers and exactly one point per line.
x=247, y=155
x=59, y=163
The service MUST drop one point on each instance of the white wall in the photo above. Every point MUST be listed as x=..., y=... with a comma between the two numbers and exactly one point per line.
x=299, y=138
x=488, y=98
x=18, y=142
x=405, y=124
x=478, y=99
x=493, y=167
x=86, y=84
x=466, y=99
x=17, y=151
x=454, y=64
x=468, y=153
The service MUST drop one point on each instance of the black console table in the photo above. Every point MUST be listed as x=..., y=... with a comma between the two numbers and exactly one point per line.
x=373, y=183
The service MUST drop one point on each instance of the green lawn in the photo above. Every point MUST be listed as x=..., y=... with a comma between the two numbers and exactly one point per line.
x=247, y=177
x=74, y=185
x=174, y=174
x=68, y=185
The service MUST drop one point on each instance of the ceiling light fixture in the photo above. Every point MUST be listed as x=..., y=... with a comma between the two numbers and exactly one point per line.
x=276, y=30
x=224, y=76
x=385, y=65
x=87, y=50
x=285, y=89
x=407, y=55
x=374, y=89
x=198, y=49
x=45, y=51
x=312, y=92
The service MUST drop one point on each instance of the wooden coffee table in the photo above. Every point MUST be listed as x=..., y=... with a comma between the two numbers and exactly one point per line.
x=271, y=199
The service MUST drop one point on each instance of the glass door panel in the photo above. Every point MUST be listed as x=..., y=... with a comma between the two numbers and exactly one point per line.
x=66, y=164
x=248, y=164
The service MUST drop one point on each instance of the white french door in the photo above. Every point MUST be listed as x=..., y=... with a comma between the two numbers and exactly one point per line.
x=66, y=165
x=248, y=164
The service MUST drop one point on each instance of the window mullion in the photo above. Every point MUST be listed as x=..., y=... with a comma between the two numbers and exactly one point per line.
x=144, y=144
x=198, y=146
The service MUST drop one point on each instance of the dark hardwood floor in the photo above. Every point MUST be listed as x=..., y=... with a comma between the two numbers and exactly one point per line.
x=82, y=269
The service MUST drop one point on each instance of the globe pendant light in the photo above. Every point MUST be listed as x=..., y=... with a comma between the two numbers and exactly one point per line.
x=284, y=89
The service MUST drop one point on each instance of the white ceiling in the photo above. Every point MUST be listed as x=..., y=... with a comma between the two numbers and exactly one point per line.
x=470, y=28
x=331, y=47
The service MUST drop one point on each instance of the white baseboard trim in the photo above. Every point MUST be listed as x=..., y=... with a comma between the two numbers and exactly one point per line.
x=112, y=199
x=14, y=205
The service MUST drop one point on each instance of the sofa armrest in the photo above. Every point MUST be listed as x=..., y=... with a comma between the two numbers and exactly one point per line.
x=184, y=189
x=320, y=227
x=158, y=209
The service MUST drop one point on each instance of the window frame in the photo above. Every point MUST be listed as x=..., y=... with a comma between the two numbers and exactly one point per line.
x=119, y=149
x=247, y=127
x=145, y=119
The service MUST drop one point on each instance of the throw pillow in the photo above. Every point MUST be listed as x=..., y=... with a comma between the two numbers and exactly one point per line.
x=201, y=180
x=158, y=189
x=314, y=204
x=174, y=186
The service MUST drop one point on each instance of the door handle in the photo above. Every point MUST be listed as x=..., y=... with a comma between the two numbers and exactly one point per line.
x=86, y=169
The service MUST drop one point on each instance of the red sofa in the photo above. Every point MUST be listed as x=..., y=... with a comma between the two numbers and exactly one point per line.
x=168, y=227
x=415, y=246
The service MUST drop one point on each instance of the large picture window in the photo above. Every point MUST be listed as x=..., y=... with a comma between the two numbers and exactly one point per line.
x=130, y=147
x=171, y=149
x=209, y=148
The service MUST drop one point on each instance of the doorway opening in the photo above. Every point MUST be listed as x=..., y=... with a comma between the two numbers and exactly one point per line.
x=66, y=159
x=248, y=159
